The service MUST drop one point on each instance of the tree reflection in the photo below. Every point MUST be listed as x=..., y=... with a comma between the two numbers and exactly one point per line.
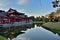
x=38, y=24
x=53, y=30
x=12, y=32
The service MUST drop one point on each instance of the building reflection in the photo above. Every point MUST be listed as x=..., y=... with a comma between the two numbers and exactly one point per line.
x=12, y=32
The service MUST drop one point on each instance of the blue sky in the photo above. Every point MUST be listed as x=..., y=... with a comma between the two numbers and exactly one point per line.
x=29, y=7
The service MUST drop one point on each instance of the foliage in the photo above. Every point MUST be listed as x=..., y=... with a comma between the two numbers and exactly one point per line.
x=32, y=18
x=51, y=15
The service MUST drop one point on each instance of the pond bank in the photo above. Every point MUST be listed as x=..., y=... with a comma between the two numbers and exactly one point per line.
x=52, y=25
x=38, y=22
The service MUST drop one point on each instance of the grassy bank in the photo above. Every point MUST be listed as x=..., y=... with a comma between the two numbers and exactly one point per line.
x=2, y=38
x=52, y=25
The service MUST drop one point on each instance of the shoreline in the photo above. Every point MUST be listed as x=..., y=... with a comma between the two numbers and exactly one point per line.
x=15, y=24
x=52, y=25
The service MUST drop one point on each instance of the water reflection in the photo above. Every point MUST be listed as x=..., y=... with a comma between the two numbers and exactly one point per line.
x=12, y=32
x=37, y=33
x=30, y=32
x=54, y=31
x=38, y=24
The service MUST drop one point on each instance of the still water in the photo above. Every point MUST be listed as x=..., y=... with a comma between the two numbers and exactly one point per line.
x=31, y=32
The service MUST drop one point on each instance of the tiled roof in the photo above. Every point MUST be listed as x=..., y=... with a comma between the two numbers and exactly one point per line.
x=3, y=13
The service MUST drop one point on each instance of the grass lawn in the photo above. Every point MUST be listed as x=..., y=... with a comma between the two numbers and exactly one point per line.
x=2, y=38
x=52, y=25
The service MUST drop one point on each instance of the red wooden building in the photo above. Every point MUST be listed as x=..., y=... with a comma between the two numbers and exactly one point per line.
x=12, y=16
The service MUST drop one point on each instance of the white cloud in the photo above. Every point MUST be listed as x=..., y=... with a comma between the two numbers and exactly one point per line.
x=4, y=9
x=1, y=9
x=3, y=2
x=22, y=2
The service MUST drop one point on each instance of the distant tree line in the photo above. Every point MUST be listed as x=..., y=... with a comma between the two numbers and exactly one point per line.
x=42, y=18
x=52, y=17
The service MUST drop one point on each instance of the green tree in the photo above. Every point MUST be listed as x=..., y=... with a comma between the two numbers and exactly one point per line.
x=32, y=18
x=51, y=15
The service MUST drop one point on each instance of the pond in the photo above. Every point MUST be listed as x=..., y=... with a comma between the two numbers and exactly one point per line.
x=31, y=32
